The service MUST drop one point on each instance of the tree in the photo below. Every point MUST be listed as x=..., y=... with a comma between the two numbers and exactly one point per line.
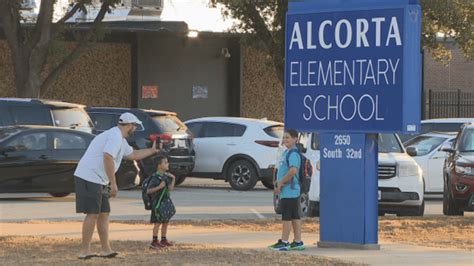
x=263, y=22
x=31, y=44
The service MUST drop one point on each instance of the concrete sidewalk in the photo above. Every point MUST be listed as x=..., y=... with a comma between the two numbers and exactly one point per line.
x=390, y=253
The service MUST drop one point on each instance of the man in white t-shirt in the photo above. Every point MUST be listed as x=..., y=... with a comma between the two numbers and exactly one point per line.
x=95, y=180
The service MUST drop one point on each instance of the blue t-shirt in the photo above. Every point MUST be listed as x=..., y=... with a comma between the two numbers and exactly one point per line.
x=292, y=188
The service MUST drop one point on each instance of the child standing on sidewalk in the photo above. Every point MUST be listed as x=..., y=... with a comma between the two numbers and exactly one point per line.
x=289, y=190
x=160, y=185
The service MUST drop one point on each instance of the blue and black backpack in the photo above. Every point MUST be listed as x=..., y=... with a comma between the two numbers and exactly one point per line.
x=305, y=170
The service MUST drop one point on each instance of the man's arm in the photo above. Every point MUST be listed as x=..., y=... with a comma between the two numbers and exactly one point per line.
x=137, y=155
x=109, y=166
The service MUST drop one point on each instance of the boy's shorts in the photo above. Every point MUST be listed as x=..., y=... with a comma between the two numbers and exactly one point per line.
x=290, y=209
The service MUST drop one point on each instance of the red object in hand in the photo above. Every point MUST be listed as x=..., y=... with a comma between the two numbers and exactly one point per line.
x=165, y=138
x=153, y=138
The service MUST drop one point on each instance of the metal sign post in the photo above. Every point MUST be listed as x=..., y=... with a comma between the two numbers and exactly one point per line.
x=353, y=69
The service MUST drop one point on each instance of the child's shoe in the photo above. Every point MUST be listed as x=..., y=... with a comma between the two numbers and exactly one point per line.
x=166, y=243
x=156, y=245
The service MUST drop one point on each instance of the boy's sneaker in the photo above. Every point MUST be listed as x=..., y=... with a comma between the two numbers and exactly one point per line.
x=156, y=245
x=280, y=246
x=166, y=243
x=297, y=245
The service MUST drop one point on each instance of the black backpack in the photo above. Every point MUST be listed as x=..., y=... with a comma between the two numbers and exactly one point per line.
x=305, y=171
x=145, y=196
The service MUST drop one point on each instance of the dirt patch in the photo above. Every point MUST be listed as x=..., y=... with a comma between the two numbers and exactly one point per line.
x=62, y=251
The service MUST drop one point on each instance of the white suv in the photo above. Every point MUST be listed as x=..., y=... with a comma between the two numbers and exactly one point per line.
x=239, y=150
x=401, y=185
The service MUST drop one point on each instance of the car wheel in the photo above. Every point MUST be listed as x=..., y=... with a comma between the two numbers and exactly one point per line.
x=242, y=175
x=179, y=180
x=449, y=208
x=268, y=183
x=304, y=205
x=276, y=203
x=59, y=194
x=313, y=209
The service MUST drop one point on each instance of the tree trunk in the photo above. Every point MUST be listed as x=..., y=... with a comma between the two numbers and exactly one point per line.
x=27, y=75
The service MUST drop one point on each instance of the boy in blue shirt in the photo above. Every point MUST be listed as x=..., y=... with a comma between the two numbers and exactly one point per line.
x=288, y=188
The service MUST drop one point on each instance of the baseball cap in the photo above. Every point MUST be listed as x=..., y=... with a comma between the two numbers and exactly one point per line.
x=129, y=118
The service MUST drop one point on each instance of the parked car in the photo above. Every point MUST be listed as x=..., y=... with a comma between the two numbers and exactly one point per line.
x=425, y=149
x=44, y=158
x=444, y=125
x=166, y=125
x=400, y=181
x=239, y=150
x=15, y=111
x=458, y=195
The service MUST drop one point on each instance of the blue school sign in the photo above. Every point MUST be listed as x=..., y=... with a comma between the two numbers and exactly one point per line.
x=353, y=67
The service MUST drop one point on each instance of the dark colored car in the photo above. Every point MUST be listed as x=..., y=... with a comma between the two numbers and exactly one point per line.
x=165, y=125
x=458, y=190
x=44, y=158
x=14, y=111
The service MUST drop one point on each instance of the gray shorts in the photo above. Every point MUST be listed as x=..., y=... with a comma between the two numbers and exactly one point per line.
x=91, y=197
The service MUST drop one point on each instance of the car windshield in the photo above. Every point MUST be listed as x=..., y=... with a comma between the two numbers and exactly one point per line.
x=168, y=123
x=389, y=143
x=467, y=141
x=425, y=144
x=71, y=117
x=275, y=131
x=7, y=132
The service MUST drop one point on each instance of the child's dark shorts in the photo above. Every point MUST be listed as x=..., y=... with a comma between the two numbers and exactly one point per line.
x=290, y=209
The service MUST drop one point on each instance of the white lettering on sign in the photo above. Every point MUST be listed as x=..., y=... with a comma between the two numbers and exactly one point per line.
x=371, y=73
x=332, y=154
x=340, y=73
x=344, y=40
x=346, y=107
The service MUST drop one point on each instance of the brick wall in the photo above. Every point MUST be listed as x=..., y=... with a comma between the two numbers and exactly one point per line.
x=458, y=75
x=101, y=76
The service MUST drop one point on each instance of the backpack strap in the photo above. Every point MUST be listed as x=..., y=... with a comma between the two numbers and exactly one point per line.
x=165, y=190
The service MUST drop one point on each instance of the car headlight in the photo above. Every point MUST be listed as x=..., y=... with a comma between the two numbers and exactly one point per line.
x=465, y=170
x=408, y=169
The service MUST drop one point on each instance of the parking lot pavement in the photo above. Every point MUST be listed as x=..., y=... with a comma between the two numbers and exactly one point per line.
x=197, y=199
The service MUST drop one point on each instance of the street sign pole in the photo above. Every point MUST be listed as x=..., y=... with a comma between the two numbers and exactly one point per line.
x=353, y=70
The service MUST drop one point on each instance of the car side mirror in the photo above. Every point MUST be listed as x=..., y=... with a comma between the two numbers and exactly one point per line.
x=412, y=151
x=447, y=149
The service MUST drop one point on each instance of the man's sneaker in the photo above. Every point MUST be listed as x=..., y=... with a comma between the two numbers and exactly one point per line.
x=156, y=245
x=297, y=245
x=166, y=243
x=280, y=246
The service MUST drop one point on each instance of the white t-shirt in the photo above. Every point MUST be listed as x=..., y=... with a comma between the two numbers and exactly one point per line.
x=91, y=166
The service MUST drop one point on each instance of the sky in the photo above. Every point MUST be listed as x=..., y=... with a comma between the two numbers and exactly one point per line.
x=196, y=13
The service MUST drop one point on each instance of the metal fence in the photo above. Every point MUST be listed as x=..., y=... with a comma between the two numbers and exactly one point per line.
x=450, y=104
